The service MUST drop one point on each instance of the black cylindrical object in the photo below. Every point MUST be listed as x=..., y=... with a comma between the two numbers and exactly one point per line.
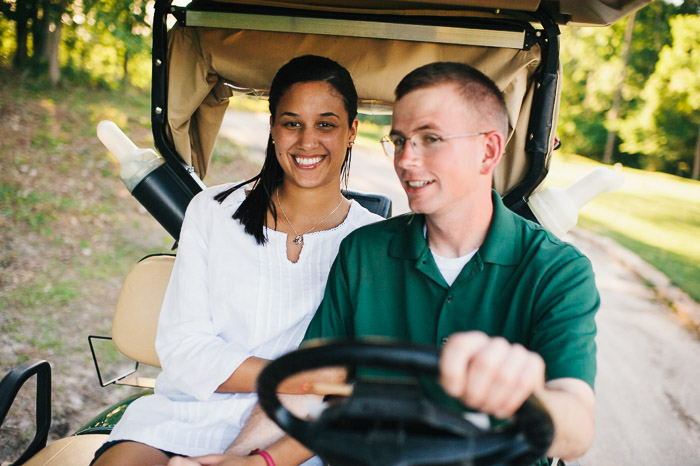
x=165, y=197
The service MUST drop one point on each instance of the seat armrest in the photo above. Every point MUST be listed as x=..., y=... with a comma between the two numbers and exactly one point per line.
x=10, y=387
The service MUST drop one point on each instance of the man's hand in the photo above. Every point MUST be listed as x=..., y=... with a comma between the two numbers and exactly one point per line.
x=496, y=377
x=490, y=374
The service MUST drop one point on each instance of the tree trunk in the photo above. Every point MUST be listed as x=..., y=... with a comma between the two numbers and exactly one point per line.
x=53, y=43
x=614, y=112
x=40, y=31
x=125, y=79
x=696, y=162
x=21, y=35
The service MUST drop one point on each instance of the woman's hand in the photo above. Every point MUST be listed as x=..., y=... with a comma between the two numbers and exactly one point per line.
x=315, y=382
x=217, y=460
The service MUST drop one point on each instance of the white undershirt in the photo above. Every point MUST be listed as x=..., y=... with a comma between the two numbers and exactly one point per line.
x=450, y=267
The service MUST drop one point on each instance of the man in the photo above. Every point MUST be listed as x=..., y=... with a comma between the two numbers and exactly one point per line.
x=464, y=262
x=511, y=306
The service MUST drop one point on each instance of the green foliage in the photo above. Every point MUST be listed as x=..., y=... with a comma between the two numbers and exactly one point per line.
x=103, y=43
x=7, y=42
x=370, y=133
x=592, y=65
x=667, y=126
x=587, y=90
x=122, y=37
x=657, y=123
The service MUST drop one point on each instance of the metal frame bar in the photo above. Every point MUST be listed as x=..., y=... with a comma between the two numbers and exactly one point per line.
x=182, y=173
x=118, y=378
x=541, y=122
x=352, y=28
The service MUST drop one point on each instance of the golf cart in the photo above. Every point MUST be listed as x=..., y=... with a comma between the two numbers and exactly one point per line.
x=206, y=52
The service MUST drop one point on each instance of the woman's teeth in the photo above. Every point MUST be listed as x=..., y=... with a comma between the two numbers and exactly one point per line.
x=307, y=160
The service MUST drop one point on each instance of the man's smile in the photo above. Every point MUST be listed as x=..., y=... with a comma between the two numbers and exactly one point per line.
x=418, y=184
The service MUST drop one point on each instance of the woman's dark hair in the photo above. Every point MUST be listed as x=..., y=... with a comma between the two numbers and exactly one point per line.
x=252, y=213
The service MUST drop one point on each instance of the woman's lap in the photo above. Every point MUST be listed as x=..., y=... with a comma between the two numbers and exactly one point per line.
x=130, y=452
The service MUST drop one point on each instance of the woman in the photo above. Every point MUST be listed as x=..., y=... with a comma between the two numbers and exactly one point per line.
x=247, y=280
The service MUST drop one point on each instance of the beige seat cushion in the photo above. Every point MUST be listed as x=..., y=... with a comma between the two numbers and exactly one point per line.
x=77, y=450
x=138, y=307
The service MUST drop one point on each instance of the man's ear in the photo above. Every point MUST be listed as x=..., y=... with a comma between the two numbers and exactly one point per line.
x=494, y=145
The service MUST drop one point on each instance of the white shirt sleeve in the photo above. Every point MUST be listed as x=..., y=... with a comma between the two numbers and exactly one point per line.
x=193, y=357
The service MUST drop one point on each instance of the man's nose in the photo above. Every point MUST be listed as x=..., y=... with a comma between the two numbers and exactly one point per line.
x=409, y=157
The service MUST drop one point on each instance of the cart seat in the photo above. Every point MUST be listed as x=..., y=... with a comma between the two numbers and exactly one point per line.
x=136, y=314
x=77, y=450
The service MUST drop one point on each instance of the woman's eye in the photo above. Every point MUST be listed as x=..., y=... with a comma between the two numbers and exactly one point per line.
x=326, y=125
x=291, y=124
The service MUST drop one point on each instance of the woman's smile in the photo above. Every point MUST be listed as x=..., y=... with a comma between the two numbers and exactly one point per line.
x=308, y=162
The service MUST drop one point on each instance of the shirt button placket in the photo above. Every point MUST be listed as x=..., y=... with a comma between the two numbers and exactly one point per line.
x=443, y=340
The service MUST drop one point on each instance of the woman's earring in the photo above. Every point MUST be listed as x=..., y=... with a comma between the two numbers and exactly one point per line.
x=272, y=139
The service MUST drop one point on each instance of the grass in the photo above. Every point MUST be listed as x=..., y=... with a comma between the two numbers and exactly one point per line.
x=68, y=228
x=655, y=215
x=369, y=134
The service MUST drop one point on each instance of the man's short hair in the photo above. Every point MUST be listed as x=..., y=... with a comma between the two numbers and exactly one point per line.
x=477, y=89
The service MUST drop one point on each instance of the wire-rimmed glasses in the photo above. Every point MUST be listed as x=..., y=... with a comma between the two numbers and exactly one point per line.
x=424, y=142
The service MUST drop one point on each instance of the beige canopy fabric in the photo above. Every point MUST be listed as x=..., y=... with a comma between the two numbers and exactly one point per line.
x=201, y=60
x=578, y=12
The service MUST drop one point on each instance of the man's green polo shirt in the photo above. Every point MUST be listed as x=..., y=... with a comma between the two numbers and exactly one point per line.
x=523, y=284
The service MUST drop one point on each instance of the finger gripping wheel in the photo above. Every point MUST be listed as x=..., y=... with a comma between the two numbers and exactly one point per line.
x=395, y=423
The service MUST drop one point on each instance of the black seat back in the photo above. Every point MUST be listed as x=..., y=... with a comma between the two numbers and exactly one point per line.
x=376, y=203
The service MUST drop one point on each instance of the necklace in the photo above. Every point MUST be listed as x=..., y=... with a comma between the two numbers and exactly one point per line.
x=298, y=239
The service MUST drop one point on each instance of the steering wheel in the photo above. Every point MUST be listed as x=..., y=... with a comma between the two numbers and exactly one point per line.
x=390, y=423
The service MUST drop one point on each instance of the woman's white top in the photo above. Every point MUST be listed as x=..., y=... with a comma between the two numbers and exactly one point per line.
x=228, y=299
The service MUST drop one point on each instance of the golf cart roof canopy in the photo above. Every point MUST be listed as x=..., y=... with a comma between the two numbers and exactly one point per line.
x=219, y=49
x=575, y=12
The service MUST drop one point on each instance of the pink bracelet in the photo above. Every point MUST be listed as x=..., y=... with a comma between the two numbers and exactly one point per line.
x=266, y=456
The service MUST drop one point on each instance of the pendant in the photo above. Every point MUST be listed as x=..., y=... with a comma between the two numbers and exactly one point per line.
x=298, y=239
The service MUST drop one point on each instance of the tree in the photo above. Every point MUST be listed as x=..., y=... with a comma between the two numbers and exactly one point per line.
x=597, y=75
x=122, y=23
x=615, y=110
x=53, y=11
x=667, y=127
x=41, y=22
x=96, y=41
x=22, y=13
x=40, y=30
